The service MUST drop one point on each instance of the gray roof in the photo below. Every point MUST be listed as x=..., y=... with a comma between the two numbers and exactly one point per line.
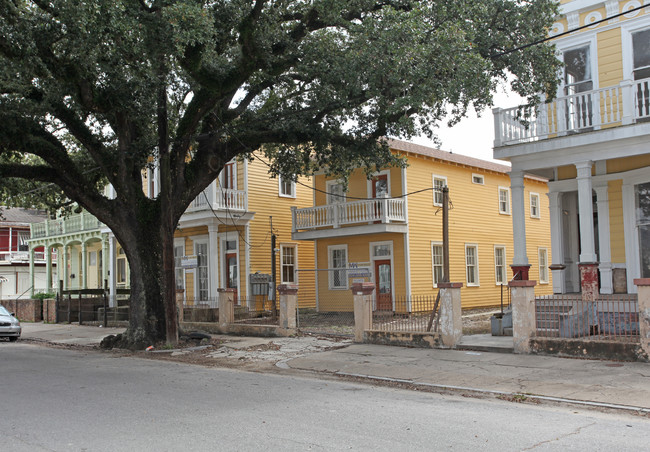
x=14, y=216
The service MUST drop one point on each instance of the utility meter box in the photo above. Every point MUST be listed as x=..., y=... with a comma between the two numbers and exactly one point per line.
x=260, y=283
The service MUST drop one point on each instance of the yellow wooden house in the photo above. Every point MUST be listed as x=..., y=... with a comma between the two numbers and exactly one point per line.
x=388, y=230
x=591, y=143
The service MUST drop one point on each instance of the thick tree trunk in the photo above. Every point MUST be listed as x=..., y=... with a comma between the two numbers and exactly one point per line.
x=153, y=314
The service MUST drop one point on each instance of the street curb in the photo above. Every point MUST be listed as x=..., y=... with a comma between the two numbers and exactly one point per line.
x=591, y=404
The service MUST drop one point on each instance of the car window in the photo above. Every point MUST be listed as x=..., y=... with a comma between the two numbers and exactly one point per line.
x=3, y=311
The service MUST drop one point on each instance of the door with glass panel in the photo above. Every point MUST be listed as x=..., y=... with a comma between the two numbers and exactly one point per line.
x=383, y=285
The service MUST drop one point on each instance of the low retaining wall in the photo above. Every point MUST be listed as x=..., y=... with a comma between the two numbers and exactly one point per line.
x=239, y=329
x=589, y=349
x=26, y=310
x=403, y=339
x=49, y=310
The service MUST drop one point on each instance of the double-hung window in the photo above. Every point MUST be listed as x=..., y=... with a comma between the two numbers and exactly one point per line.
x=471, y=264
x=534, y=205
x=543, y=265
x=286, y=188
x=641, y=70
x=500, y=264
x=289, y=258
x=338, y=263
x=437, y=261
x=504, y=200
x=438, y=183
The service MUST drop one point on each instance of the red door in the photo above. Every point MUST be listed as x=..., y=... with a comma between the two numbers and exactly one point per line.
x=232, y=274
x=379, y=190
x=383, y=286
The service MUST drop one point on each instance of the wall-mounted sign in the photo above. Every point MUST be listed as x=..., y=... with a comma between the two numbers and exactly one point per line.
x=189, y=261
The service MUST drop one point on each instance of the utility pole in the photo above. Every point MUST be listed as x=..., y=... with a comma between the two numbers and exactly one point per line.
x=273, y=268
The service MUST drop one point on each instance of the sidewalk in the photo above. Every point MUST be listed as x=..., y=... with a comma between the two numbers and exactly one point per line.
x=602, y=383
x=623, y=385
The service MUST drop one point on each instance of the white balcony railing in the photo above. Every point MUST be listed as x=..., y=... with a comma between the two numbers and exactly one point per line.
x=220, y=199
x=74, y=223
x=624, y=104
x=385, y=210
x=9, y=257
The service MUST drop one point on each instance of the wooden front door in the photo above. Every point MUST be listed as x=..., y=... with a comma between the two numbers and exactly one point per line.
x=232, y=274
x=383, y=287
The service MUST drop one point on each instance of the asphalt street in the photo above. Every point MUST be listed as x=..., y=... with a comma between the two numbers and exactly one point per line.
x=70, y=400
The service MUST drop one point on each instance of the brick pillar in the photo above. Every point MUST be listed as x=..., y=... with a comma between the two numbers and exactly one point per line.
x=522, y=294
x=226, y=307
x=451, y=322
x=362, y=294
x=589, y=281
x=288, y=298
x=643, y=285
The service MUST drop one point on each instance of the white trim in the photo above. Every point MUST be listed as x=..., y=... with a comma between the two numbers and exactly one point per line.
x=442, y=264
x=377, y=174
x=433, y=184
x=539, y=265
x=373, y=258
x=201, y=240
x=477, y=282
x=504, y=276
x=223, y=238
x=293, y=189
x=575, y=42
x=508, y=209
x=180, y=242
x=328, y=188
x=284, y=246
x=628, y=28
x=532, y=195
x=330, y=278
x=478, y=176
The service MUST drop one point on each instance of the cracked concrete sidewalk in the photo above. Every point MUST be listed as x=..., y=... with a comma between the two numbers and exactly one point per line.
x=602, y=382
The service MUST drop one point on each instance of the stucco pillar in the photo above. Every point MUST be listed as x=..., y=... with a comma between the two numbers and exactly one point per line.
x=605, y=264
x=451, y=322
x=557, y=251
x=643, y=290
x=522, y=295
x=226, y=307
x=520, y=264
x=362, y=295
x=288, y=300
x=586, y=211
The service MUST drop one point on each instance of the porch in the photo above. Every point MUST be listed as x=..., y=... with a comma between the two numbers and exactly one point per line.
x=217, y=198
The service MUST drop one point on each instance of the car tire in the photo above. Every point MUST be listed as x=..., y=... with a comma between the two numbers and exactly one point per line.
x=13, y=338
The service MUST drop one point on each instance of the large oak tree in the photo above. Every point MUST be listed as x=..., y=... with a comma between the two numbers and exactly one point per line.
x=94, y=91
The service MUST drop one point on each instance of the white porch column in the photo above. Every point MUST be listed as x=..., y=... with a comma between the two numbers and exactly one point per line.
x=557, y=250
x=84, y=266
x=213, y=260
x=66, y=271
x=519, y=223
x=48, y=268
x=586, y=211
x=105, y=270
x=111, y=270
x=605, y=266
x=31, y=270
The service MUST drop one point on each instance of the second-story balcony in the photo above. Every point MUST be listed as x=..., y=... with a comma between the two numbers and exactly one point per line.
x=74, y=223
x=220, y=199
x=620, y=105
x=21, y=257
x=349, y=218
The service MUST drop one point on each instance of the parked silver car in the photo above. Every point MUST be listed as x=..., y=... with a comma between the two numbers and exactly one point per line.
x=9, y=325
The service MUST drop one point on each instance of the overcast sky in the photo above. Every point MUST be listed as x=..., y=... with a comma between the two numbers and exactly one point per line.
x=473, y=136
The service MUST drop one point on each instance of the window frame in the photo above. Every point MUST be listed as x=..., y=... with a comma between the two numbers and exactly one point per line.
x=628, y=28
x=197, y=274
x=504, y=265
x=435, y=177
x=476, y=282
x=179, y=271
x=294, y=275
x=532, y=196
x=281, y=184
x=507, y=210
x=478, y=176
x=543, y=269
x=434, y=265
x=330, y=264
x=340, y=199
